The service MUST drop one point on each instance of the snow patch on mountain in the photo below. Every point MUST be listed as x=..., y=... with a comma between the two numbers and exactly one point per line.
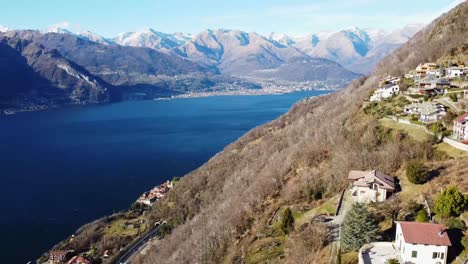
x=3, y=29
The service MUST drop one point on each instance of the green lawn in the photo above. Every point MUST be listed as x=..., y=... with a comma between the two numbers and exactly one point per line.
x=117, y=228
x=327, y=208
x=451, y=151
x=418, y=133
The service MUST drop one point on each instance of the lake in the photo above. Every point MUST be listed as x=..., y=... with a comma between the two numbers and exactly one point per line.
x=65, y=167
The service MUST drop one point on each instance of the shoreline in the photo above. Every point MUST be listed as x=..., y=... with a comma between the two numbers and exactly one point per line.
x=260, y=92
x=240, y=93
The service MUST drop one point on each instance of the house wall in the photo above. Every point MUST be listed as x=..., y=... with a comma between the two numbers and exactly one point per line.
x=425, y=252
x=367, y=195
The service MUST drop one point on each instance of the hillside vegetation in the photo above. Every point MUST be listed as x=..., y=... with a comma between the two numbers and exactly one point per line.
x=227, y=210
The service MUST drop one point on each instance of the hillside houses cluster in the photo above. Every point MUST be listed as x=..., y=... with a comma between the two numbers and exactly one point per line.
x=433, y=91
x=158, y=192
x=414, y=242
x=428, y=79
x=432, y=79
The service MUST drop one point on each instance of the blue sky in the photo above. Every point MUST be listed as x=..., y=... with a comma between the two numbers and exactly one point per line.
x=110, y=17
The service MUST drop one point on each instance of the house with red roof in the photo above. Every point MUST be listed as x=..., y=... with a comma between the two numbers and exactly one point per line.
x=371, y=186
x=421, y=242
x=460, y=129
x=78, y=260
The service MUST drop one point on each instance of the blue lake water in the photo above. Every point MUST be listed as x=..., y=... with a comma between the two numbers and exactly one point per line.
x=62, y=168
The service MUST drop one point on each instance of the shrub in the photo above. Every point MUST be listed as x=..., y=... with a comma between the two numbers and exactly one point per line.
x=359, y=228
x=455, y=223
x=422, y=216
x=287, y=221
x=165, y=229
x=464, y=242
x=454, y=97
x=393, y=261
x=451, y=202
x=416, y=172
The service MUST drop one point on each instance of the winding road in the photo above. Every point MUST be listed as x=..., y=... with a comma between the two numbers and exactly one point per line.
x=137, y=246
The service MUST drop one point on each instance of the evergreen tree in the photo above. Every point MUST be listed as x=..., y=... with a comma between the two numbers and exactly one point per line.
x=451, y=202
x=422, y=216
x=417, y=172
x=359, y=228
x=287, y=221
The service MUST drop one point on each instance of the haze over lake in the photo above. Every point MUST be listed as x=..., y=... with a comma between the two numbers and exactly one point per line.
x=63, y=168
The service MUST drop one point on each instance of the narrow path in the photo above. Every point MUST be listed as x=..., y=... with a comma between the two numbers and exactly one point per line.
x=335, y=227
x=449, y=102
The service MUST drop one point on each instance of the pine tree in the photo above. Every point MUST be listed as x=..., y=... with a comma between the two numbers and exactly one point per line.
x=287, y=221
x=359, y=228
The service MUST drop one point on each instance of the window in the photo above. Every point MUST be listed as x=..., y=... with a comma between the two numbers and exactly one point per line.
x=434, y=255
x=414, y=254
x=442, y=255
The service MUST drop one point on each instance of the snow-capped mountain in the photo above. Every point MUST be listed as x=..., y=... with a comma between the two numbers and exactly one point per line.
x=236, y=51
x=282, y=39
x=357, y=49
x=3, y=28
x=91, y=36
x=151, y=38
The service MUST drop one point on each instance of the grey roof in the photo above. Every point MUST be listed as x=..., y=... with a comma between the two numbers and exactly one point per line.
x=365, y=178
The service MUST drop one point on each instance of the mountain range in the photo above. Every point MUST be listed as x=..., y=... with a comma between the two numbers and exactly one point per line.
x=63, y=66
x=356, y=49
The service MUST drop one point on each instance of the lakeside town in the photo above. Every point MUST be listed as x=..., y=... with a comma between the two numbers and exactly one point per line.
x=265, y=87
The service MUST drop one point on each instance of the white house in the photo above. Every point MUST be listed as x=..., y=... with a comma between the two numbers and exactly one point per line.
x=460, y=127
x=370, y=186
x=454, y=72
x=421, y=243
x=385, y=92
x=390, y=79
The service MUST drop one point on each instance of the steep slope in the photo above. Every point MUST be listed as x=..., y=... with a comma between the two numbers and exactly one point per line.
x=115, y=64
x=221, y=211
x=34, y=72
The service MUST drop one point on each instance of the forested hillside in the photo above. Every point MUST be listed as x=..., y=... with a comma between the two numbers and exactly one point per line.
x=223, y=212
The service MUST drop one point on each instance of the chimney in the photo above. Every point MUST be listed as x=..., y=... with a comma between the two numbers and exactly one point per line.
x=441, y=232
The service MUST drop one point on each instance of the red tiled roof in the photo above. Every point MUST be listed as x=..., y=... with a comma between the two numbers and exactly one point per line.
x=461, y=118
x=425, y=233
x=78, y=260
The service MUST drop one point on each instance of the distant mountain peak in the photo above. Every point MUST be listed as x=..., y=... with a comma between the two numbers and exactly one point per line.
x=62, y=28
x=282, y=39
x=4, y=29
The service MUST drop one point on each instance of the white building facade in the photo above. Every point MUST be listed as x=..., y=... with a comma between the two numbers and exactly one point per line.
x=370, y=186
x=460, y=128
x=421, y=243
x=385, y=92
